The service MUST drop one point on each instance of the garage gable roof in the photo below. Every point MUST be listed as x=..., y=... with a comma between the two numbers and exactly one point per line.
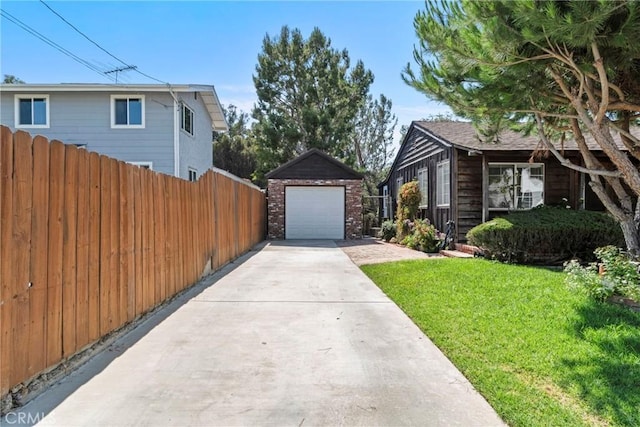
x=314, y=164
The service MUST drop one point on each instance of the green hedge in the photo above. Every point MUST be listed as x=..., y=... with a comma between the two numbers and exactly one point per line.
x=546, y=235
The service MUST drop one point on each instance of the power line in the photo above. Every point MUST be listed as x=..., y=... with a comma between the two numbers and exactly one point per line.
x=120, y=69
x=83, y=34
x=51, y=43
x=133, y=67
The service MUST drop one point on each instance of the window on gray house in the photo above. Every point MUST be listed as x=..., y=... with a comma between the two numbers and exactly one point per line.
x=32, y=111
x=127, y=111
x=186, y=119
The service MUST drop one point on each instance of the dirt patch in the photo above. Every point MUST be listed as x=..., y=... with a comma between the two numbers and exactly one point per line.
x=374, y=251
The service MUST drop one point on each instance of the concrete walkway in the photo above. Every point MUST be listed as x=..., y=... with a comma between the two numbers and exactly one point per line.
x=296, y=335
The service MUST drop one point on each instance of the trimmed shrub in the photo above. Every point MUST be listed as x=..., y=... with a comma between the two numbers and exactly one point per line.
x=546, y=235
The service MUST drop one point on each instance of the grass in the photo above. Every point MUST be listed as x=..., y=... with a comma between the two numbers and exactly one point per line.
x=541, y=355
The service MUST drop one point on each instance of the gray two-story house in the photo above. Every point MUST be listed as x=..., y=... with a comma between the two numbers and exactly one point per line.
x=167, y=128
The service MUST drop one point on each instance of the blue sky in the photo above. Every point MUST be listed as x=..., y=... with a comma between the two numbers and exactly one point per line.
x=209, y=42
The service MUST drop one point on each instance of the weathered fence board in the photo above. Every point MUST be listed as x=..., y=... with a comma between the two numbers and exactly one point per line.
x=82, y=251
x=69, y=277
x=93, y=320
x=89, y=243
x=39, y=255
x=54, y=271
x=6, y=266
x=21, y=256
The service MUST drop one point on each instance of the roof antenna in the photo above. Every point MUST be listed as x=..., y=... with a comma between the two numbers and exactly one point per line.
x=117, y=70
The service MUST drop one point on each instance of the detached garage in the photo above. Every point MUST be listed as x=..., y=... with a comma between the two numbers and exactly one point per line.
x=314, y=196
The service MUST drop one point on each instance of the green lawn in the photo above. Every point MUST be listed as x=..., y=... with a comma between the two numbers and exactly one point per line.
x=541, y=355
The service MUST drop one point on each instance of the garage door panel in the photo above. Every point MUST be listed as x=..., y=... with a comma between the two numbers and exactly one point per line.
x=314, y=212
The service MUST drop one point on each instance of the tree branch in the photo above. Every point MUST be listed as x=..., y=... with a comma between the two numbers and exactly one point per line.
x=592, y=163
x=566, y=162
x=604, y=83
x=624, y=106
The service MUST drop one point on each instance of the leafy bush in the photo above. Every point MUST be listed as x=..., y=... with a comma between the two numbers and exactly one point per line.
x=409, y=199
x=388, y=230
x=410, y=242
x=403, y=228
x=369, y=220
x=420, y=234
x=426, y=235
x=408, y=203
x=546, y=235
x=619, y=275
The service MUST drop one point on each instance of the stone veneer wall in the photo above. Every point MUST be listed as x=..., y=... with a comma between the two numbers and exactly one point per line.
x=353, y=199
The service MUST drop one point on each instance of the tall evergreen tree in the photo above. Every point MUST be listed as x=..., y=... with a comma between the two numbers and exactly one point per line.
x=558, y=67
x=308, y=96
x=234, y=151
x=373, y=140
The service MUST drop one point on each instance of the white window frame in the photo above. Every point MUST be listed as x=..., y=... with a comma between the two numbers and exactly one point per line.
x=30, y=96
x=113, y=111
x=423, y=178
x=148, y=165
x=183, y=107
x=443, y=190
x=385, y=202
x=399, y=182
x=193, y=171
x=515, y=165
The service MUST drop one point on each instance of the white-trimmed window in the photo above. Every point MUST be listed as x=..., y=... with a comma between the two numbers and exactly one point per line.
x=186, y=118
x=385, y=202
x=515, y=186
x=31, y=111
x=399, y=182
x=443, y=183
x=423, y=185
x=193, y=174
x=144, y=165
x=127, y=111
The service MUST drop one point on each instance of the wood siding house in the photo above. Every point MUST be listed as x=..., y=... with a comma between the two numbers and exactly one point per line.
x=469, y=181
x=167, y=128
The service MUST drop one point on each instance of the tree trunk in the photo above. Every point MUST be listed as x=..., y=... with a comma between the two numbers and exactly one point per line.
x=631, y=236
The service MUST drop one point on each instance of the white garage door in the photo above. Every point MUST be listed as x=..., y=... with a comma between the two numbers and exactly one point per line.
x=314, y=213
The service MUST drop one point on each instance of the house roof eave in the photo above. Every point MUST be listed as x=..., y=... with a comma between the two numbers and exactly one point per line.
x=307, y=154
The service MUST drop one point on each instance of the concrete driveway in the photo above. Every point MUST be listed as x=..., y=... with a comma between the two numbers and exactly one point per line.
x=296, y=335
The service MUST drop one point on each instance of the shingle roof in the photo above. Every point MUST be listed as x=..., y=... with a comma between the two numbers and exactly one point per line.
x=463, y=135
x=292, y=168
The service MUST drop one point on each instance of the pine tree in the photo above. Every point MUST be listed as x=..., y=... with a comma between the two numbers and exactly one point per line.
x=308, y=96
x=557, y=67
x=234, y=150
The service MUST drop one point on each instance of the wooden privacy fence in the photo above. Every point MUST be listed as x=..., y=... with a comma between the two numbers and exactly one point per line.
x=89, y=243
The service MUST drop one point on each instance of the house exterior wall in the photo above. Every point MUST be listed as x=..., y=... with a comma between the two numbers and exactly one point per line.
x=84, y=118
x=276, y=204
x=468, y=183
x=561, y=185
x=196, y=151
x=469, y=179
x=422, y=152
